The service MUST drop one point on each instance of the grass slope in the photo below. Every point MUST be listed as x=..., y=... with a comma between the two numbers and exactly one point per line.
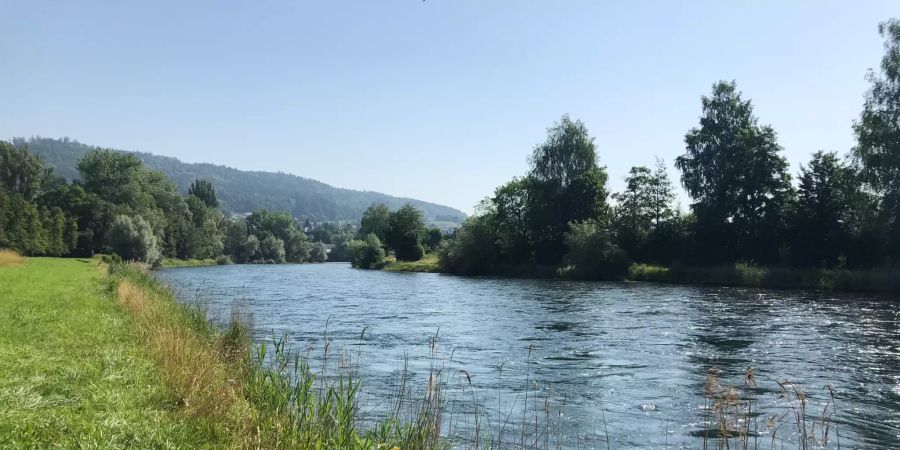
x=74, y=371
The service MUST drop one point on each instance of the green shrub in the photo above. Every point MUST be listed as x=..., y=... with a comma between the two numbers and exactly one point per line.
x=367, y=254
x=132, y=238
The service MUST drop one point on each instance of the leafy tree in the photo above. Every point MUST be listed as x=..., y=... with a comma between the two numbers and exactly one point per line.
x=634, y=213
x=661, y=194
x=593, y=254
x=738, y=180
x=271, y=249
x=21, y=172
x=433, y=238
x=133, y=240
x=368, y=253
x=878, y=134
x=407, y=228
x=833, y=212
x=568, y=187
x=376, y=220
x=204, y=190
x=318, y=253
x=473, y=250
x=511, y=203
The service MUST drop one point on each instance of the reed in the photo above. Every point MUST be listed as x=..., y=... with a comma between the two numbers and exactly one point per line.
x=10, y=258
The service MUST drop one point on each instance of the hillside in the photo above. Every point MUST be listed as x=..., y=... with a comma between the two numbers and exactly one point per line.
x=245, y=191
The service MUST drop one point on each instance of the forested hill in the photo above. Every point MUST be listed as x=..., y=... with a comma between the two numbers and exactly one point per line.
x=244, y=191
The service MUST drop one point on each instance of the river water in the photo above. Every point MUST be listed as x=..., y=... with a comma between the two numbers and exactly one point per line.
x=600, y=364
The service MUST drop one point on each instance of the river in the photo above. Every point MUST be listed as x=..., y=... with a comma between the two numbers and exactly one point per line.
x=624, y=364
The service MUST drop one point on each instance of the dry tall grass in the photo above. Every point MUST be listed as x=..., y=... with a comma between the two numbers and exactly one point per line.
x=9, y=258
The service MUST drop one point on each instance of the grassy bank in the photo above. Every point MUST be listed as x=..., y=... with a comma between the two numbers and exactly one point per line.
x=98, y=361
x=76, y=372
x=873, y=280
x=172, y=262
x=428, y=263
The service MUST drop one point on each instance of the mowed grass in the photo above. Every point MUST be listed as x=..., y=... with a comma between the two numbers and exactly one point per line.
x=73, y=370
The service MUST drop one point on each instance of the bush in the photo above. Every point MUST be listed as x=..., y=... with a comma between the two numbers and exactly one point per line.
x=317, y=253
x=271, y=250
x=133, y=240
x=367, y=254
x=592, y=254
x=473, y=251
x=223, y=260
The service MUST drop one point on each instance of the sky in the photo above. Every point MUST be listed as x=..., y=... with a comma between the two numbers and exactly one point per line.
x=441, y=100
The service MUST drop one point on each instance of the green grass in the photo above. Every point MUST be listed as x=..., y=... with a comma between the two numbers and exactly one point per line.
x=172, y=262
x=876, y=280
x=75, y=372
x=428, y=263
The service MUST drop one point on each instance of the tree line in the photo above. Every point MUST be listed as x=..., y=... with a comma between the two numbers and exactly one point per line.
x=119, y=206
x=843, y=212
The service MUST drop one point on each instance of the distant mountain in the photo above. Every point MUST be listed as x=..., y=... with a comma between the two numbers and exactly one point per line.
x=242, y=191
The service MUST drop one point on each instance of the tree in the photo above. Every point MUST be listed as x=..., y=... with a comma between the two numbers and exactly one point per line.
x=20, y=171
x=738, y=180
x=271, y=250
x=833, y=211
x=473, y=249
x=407, y=228
x=366, y=254
x=661, y=195
x=511, y=203
x=318, y=253
x=634, y=213
x=133, y=240
x=204, y=190
x=878, y=134
x=592, y=254
x=376, y=220
x=568, y=187
x=433, y=238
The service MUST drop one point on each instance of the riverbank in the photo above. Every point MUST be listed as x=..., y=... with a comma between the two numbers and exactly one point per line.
x=428, y=263
x=173, y=262
x=76, y=369
x=97, y=360
x=734, y=275
x=744, y=275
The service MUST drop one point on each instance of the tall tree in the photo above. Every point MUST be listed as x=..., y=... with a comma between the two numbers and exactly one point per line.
x=407, y=228
x=569, y=186
x=204, y=190
x=20, y=171
x=376, y=220
x=878, y=133
x=831, y=210
x=733, y=170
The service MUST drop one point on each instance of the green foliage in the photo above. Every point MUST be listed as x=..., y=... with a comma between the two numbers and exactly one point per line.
x=317, y=253
x=405, y=234
x=878, y=135
x=568, y=186
x=739, y=182
x=472, y=251
x=271, y=250
x=376, y=220
x=240, y=191
x=593, y=255
x=368, y=253
x=204, y=190
x=21, y=172
x=433, y=238
x=133, y=240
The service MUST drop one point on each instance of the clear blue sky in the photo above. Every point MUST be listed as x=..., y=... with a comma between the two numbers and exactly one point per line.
x=440, y=100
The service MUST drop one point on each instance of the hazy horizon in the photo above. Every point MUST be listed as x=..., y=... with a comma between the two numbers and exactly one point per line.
x=408, y=98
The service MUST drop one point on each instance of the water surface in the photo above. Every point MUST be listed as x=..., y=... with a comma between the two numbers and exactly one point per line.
x=596, y=354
